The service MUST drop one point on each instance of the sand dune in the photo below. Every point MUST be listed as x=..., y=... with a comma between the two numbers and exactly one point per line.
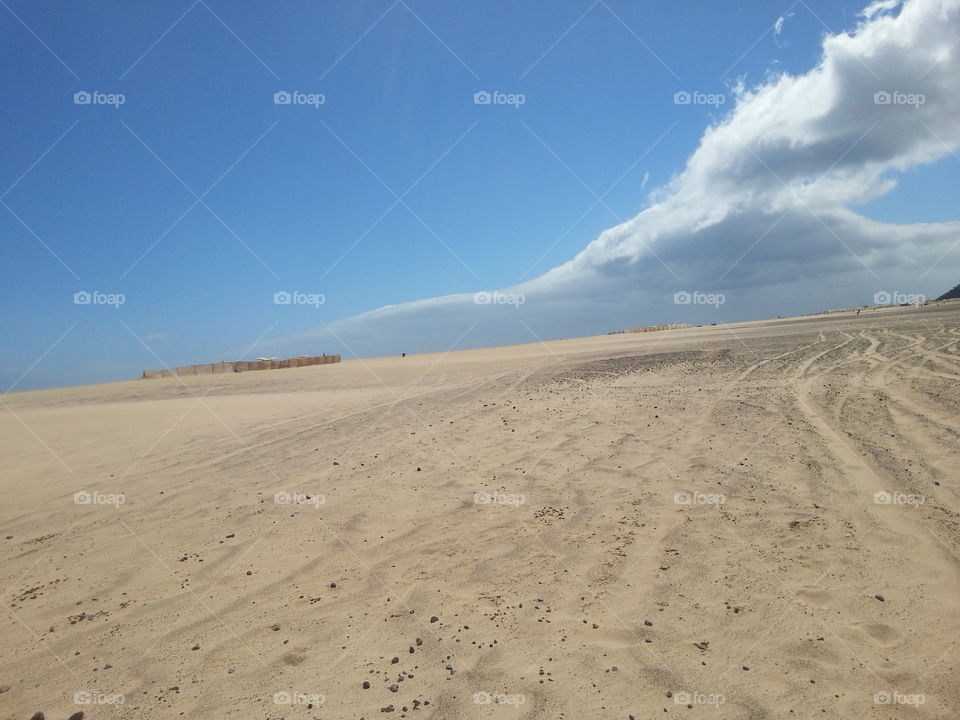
x=758, y=520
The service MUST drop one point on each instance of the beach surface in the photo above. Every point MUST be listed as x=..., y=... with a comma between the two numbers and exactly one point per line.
x=758, y=520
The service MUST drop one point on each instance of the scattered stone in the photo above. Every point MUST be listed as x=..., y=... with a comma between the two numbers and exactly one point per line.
x=394, y=688
x=434, y=618
x=195, y=647
x=231, y=535
x=648, y=623
x=366, y=685
x=333, y=585
x=880, y=598
x=387, y=708
x=395, y=661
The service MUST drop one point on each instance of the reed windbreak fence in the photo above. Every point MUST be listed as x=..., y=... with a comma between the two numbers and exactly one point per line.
x=241, y=366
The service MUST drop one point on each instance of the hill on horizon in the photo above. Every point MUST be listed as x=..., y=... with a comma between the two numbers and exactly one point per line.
x=952, y=294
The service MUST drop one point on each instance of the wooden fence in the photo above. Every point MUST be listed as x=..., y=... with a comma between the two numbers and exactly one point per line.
x=241, y=366
x=657, y=328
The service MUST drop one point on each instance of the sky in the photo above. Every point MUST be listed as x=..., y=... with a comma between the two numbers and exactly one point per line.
x=193, y=181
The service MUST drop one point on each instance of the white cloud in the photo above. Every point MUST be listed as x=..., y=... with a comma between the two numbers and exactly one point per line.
x=761, y=211
x=880, y=6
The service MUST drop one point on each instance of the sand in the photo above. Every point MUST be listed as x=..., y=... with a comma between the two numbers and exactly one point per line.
x=759, y=520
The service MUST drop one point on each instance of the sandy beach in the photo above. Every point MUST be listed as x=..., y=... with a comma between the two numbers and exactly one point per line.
x=759, y=520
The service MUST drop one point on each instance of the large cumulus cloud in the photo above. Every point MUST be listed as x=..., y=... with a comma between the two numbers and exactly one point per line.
x=761, y=211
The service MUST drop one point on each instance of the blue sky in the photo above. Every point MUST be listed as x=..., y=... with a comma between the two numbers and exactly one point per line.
x=398, y=187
